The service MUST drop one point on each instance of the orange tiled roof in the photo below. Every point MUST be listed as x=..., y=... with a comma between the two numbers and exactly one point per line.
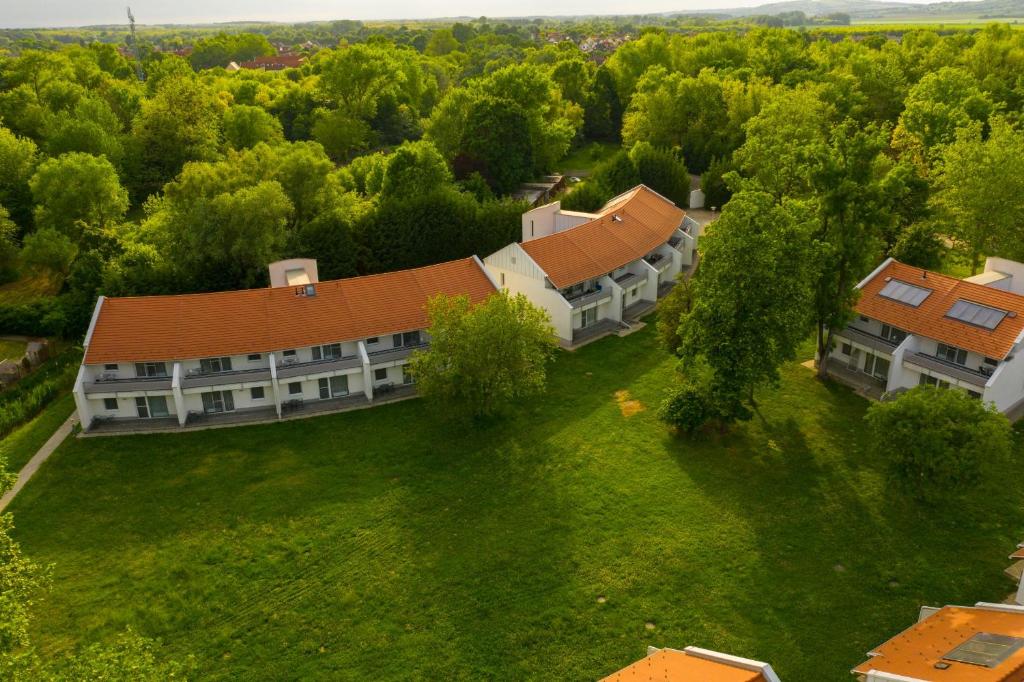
x=1019, y=554
x=915, y=651
x=601, y=245
x=262, y=320
x=671, y=665
x=929, y=319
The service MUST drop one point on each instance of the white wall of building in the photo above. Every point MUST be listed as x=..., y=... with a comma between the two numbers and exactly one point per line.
x=1006, y=386
x=514, y=271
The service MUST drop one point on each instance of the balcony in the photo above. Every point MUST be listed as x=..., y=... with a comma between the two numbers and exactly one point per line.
x=658, y=261
x=950, y=369
x=588, y=297
x=290, y=370
x=111, y=385
x=199, y=379
x=394, y=354
x=868, y=339
x=629, y=279
x=598, y=329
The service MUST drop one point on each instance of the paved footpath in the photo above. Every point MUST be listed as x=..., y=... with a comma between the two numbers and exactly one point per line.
x=37, y=459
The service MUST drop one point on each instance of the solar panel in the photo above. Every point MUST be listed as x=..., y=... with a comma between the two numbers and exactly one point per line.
x=985, y=649
x=904, y=293
x=976, y=314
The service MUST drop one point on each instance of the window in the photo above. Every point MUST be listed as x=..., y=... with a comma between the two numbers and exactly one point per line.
x=212, y=365
x=407, y=377
x=333, y=387
x=150, y=369
x=153, y=406
x=846, y=349
x=864, y=318
x=926, y=380
x=503, y=279
x=405, y=340
x=218, y=401
x=531, y=234
x=288, y=353
x=110, y=404
x=295, y=388
x=893, y=334
x=110, y=368
x=255, y=357
x=588, y=317
x=256, y=393
x=876, y=366
x=991, y=362
x=328, y=352
x=951, y=354
x=380, y=374
x=974, y=394
x=373, y=340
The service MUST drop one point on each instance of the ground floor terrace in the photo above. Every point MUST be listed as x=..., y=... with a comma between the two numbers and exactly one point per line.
x=556, y=543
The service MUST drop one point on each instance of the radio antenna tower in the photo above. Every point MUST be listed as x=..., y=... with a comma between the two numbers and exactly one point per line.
x=134, y=40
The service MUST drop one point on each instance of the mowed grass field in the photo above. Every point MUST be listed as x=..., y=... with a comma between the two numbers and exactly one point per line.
x=557, y=544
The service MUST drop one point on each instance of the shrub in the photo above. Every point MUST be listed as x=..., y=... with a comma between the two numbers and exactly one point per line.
x=716, y=191
x=587, y=196
x=697, y=404
x=936, y=439
x=44, y=317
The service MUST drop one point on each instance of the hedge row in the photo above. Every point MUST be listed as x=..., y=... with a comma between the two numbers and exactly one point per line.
x=28, y=397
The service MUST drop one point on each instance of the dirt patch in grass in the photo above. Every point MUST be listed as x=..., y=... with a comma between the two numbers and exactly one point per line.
x=627, y=404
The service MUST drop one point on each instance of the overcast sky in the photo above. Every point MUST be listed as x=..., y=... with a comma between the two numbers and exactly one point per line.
x=39, y=13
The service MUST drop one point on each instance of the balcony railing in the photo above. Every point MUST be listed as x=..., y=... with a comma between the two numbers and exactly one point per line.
x=288, y=370
x=104, y=384
x=868, y=339
x=628, y=279
x=392, y=354
x=950, y=369
x=200, y=378
x=588, y=297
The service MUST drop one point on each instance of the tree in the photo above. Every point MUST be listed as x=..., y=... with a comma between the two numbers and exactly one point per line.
x=223, y=48
x=484, y=356
x=497, y=144
x=661, y=170
x=76, y=190
x=245, y=126
x=587, y=196
x=8, y=247
x=50, y=249
x=91, y=127
x=980, y=191
x=713, y=184
x=342, y=135
x=415, y=168
x=936, y=439
x=671, y=311
x=602, y=109
x=18, y=156
x=752, y=296
x=180, y=123
x=441, y=42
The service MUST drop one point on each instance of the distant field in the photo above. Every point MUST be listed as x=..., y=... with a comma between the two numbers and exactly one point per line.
x=29, y=288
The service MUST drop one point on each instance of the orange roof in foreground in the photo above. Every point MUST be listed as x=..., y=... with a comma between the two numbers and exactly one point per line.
x=672, y=665
x=929, y=319
x=915, y=651
x=601, y=245
x=263, y=320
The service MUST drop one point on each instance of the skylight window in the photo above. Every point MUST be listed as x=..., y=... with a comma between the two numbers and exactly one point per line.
x=985, y=649
x=976, y=314
x=902, y=292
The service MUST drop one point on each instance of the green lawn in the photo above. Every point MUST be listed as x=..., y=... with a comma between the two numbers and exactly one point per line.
x=385, y=544
x=18, y=447
x=11, y=350
x=587, y=157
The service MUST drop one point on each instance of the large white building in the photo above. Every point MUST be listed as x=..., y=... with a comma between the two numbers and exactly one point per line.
x=300, y=345
x=593, y=271
x=915, y=326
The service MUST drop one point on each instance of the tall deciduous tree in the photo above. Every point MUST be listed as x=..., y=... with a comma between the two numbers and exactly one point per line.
x=752, y=295
x=246, y=126
x=485, y=356
x=18, y=157
x=76, y=190
x=980, y=191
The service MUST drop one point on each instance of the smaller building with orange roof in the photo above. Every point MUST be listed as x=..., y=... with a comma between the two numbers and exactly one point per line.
x=595, y=272
x=980, y=643
x=693, y=664
x=916, y=326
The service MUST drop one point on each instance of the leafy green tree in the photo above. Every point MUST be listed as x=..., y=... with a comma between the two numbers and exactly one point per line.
x=342, y=135
x=713, y=184
x=180, y=123
x=18, y=157
x=661, y=170
x=671, y=310
x=49, y=249
x=415, y=168
x=8, y=247
x=76, y=190
x=937, y=440
x=696, y=405
x=602, y=108
x=486, y=356
x=617, y=174
x=752, y=296
x=91, y=127
x=587, y=196
x=920, y=244
x=223, y=48
x=441, y=42
x=497, y=144
x=246, y=126
x=980, y=191
x=936, y=108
